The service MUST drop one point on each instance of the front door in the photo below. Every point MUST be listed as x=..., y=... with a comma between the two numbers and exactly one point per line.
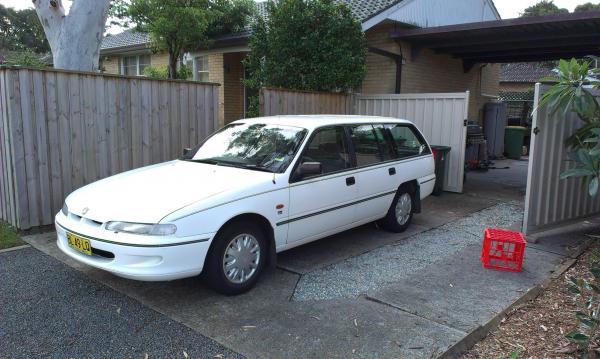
x=321, y=205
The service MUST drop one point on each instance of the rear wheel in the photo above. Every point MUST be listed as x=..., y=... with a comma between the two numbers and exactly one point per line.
x=236, y=259
x=400, y=213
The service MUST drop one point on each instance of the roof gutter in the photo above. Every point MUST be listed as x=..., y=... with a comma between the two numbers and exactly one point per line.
x=125, y=49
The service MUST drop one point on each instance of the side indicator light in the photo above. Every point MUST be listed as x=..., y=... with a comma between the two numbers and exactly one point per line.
x=279, y=206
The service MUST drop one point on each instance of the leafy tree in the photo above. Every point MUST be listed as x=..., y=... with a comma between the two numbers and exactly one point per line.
x=587, y=7
x=543, y=8
x=21, y=30
x=314, y=45
x=177, y=26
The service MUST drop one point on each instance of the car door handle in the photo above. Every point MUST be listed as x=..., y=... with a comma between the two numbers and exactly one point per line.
x=350, y=181
x=392, y=171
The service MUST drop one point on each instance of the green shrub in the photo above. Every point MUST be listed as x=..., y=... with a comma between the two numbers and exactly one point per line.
x=161, y=72
x=24, y=58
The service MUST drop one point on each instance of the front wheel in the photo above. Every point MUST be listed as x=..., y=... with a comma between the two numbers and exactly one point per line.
x=236, y=259
x=400, y=213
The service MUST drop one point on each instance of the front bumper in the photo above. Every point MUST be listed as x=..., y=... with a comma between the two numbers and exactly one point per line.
x=168, y=260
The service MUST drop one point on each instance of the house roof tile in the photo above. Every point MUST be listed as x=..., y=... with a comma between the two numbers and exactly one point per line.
x=525, y=72
x=361, y=9
x=125, y=39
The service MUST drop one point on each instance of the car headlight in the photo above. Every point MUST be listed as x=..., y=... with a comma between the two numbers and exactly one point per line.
x=142, y=228
x=65, y=209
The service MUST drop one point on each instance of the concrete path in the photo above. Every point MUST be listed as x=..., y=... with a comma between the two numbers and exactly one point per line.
x=364, y=293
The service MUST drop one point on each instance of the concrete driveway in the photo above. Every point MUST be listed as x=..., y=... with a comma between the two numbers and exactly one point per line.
x=366, y=292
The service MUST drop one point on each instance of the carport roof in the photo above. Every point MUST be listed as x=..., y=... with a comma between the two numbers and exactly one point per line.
x=539, y=38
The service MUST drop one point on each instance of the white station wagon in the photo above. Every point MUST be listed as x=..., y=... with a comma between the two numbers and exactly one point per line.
x=254, y=188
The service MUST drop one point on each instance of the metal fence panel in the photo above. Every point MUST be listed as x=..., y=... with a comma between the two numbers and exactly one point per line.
x=550, y=201
x=440, y=116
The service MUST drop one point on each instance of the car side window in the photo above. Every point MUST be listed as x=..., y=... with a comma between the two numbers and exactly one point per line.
x=407, y=141
x=369, y=144
x=385, y=145
x=328, y=146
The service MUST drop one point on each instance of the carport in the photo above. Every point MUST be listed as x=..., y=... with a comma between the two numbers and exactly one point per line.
x=549, y=202
x=514, y=40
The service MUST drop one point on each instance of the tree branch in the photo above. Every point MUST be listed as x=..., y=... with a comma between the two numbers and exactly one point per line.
x=52, y=15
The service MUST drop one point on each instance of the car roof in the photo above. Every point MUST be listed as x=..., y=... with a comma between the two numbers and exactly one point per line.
x=313, y=121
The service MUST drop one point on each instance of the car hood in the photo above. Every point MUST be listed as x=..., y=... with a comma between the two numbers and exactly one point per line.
x=148, y=194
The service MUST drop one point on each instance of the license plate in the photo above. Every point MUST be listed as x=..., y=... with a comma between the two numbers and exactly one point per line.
x=79, y=244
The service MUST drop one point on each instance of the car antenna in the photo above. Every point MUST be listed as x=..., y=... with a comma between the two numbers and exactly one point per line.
x=274, y=178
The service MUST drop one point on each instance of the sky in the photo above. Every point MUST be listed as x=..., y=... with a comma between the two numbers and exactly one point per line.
x=507, y=8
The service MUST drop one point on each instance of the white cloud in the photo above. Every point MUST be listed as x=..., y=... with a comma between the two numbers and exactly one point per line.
x=17, y=4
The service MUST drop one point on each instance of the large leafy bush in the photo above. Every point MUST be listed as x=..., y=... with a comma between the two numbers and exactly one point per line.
x=314, y=45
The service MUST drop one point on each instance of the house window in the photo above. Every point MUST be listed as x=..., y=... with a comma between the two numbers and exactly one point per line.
x=134, y=65
x=202, y=68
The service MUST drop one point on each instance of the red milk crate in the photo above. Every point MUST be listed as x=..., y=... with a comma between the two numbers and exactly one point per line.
x=502, y=249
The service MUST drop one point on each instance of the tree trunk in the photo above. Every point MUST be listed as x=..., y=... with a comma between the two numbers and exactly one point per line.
x=173, y=65
x=74, y=38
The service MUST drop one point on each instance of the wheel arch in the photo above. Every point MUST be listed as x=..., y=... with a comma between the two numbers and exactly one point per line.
x=264, y=224
x=414, y=188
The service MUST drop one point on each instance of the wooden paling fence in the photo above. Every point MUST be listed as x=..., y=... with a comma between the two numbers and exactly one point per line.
x=273, y=101
x=60, y=130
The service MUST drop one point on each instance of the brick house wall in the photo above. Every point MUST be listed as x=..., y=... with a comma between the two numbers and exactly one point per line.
x=429, y=72
x=110, y=64
x=233, y=89
x=216, y=74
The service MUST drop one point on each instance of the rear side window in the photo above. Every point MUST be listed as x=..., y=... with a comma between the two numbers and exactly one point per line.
x=366, y=146
x=385, y=144
x=407, y=141
x=328, y=146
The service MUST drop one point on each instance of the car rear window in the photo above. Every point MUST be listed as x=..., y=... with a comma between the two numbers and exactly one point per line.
x=407, y=141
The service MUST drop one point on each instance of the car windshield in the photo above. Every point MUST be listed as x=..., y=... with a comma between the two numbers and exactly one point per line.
x=254, y=146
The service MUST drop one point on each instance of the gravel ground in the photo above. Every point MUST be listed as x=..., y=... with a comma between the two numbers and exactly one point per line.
x=48, y=310
x=376, y=268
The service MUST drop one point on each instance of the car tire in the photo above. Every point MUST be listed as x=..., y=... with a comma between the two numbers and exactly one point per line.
x=238, y=249
x=400, y=213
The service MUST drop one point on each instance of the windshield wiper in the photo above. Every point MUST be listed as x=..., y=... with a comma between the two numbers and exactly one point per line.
x=231, y=164
x=258, y=168
x=208, y=161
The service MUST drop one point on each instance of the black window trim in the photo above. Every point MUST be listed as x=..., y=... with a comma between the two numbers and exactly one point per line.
x=347, y=138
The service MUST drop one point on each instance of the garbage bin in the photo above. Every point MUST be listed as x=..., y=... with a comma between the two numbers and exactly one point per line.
x=440, y=155
x=513, y=141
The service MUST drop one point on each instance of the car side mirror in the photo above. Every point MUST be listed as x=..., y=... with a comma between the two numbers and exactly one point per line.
x=310, y=169
x=187, y=152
